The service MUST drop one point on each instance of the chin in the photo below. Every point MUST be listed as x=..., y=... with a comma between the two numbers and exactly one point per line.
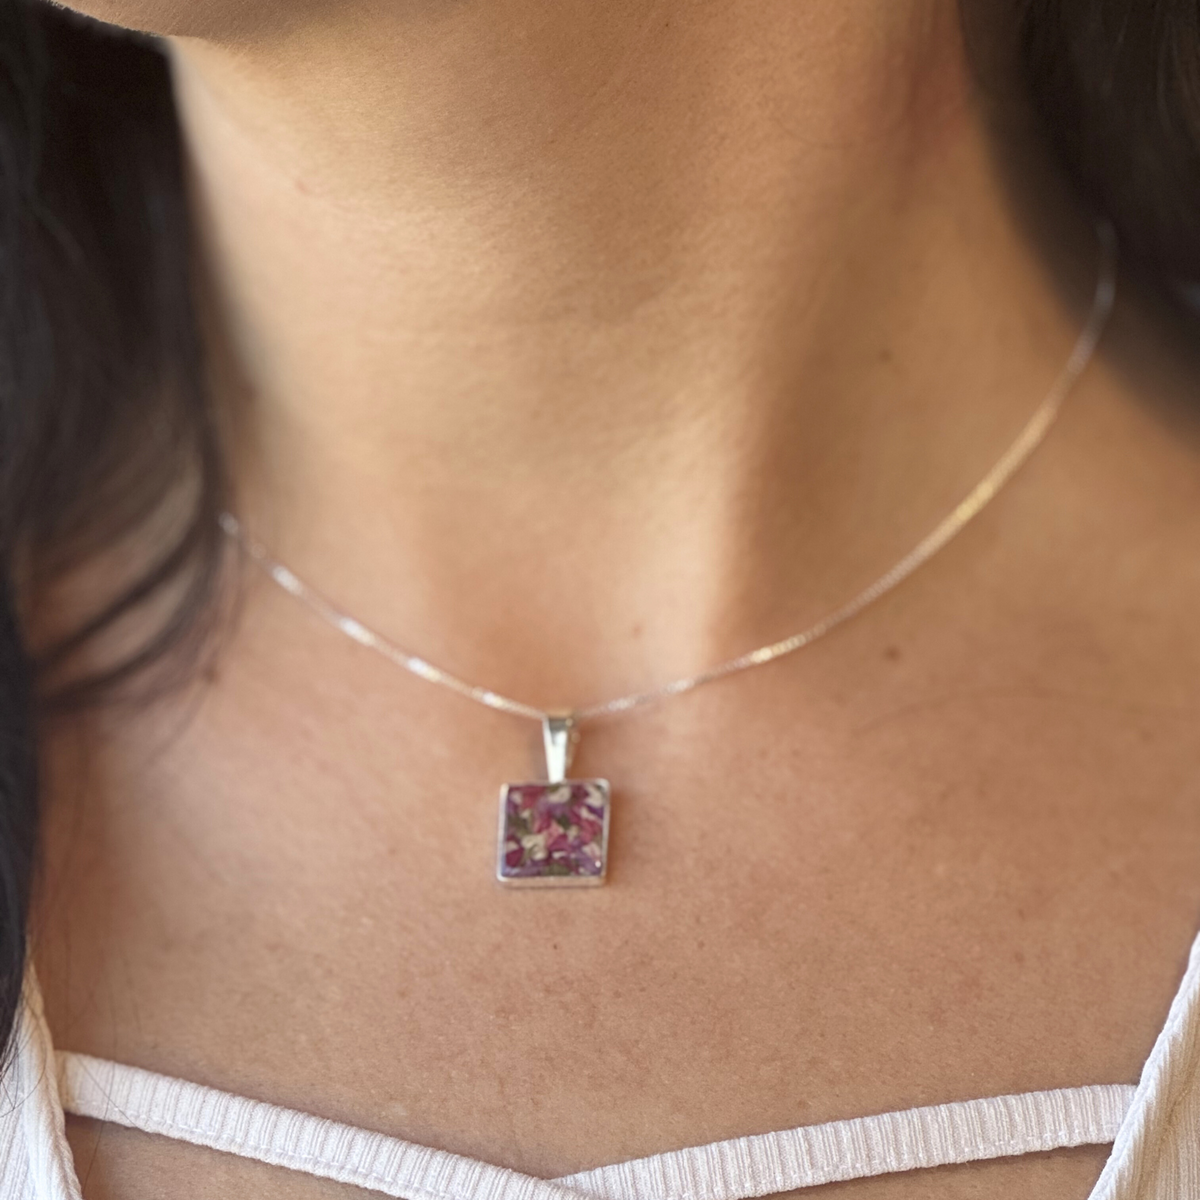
x=216, y=20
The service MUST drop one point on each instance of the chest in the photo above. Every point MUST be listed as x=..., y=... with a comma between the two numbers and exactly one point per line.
x=816, y=910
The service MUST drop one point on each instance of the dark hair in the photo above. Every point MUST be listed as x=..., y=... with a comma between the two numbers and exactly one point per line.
x=103, y=406
x=105, y=428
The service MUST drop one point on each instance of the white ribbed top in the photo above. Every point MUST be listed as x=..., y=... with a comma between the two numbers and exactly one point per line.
x=1155, y=1128
x=730, y=1170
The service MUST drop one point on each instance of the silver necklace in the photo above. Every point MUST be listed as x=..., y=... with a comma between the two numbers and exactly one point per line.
x=554, y=832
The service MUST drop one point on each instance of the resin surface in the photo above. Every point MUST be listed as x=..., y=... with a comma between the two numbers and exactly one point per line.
x=553, y=833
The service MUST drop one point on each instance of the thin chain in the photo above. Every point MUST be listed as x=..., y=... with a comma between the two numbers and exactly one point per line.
x=1009, y=463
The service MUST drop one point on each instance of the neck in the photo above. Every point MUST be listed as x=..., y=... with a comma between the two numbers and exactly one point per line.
x=621, y=337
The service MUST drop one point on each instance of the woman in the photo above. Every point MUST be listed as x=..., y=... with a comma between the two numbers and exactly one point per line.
x=577, y=348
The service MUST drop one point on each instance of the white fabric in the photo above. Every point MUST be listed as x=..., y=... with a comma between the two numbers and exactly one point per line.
x=35, y=1160
x=731, y=1170
x=123, y=1095
x=899, y=1141
x=1156, y=1127
x=1157, y=1151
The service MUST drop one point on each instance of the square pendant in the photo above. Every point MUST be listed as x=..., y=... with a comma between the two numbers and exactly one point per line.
x=553, y=834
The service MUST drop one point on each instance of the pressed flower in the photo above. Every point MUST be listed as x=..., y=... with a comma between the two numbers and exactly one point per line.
x=554, y=830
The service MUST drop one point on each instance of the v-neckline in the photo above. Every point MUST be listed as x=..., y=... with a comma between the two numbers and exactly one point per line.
x=50, y=1083
x=730, y=1169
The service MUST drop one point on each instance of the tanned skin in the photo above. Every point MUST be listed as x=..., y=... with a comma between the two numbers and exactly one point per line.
x=577, y=347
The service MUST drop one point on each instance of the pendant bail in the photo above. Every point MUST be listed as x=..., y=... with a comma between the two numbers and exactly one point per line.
x=559, y=737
